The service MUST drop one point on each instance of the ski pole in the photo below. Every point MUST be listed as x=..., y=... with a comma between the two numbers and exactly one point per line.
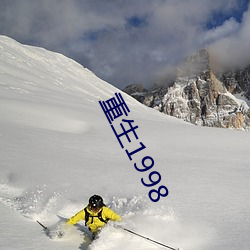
x=45, y=228
x=149, y=239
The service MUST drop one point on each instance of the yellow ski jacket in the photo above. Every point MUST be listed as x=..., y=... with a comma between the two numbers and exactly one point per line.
x=94, y=223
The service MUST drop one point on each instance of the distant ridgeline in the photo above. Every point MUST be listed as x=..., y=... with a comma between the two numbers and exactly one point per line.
x=200, y=95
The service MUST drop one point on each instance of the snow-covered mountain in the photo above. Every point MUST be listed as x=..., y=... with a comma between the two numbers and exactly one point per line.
x=201, y=95
x=57, y=148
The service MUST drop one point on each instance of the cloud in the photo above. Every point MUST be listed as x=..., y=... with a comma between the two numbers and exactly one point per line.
x=121, y=41
x=228, y=28
x=233, y=49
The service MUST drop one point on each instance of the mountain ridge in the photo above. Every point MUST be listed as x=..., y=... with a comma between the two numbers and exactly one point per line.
x=201, y=95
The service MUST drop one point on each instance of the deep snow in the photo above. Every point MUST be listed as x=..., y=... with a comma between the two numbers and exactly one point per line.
x=57, y=149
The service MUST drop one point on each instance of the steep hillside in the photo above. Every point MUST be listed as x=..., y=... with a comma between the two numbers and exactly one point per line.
x=57, y=148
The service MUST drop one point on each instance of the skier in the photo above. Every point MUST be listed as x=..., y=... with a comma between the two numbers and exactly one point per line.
x=95, y=214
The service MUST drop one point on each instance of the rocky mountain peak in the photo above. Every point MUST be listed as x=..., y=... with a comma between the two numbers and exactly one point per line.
x=196, y=64
x=200, y=96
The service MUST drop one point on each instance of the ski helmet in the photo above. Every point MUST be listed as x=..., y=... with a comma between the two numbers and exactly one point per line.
x=95, y=202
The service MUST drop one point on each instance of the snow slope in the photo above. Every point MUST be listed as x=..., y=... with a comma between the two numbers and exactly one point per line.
x=57, y=148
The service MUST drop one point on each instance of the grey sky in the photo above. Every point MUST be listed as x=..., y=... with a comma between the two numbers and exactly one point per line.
x=131, y=41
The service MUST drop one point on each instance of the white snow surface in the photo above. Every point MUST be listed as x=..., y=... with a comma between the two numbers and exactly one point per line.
x=57, y=149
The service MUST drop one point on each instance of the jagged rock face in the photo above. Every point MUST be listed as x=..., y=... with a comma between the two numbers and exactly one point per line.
x=237, y=81
x=199, y=97
x=136, y=90
x=204, y=102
